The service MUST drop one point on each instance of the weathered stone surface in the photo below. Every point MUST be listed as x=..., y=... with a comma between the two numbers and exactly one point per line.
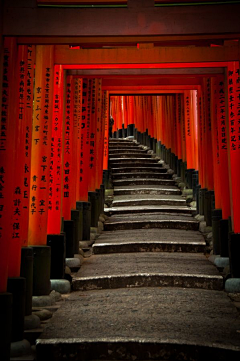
x=158, y=323
x=31, y=322
x=149, y=209
x=146, y=189
x=43, y=314
x=232, y=285
x=20, y=348
x=151, y=269
x=61, y=286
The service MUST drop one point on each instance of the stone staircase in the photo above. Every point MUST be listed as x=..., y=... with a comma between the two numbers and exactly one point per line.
x=148, y=292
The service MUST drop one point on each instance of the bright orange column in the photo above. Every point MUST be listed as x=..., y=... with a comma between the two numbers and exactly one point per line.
x=178, y=121
x=208, y=135
x=233, y=94
x=7, y=139
x=16, y=238
x=69, y=183
x=99, y=135
x=55, y=189
x=84, y=154
x=78, y=84
x=189, y=129
x=92, y=171
x=106, y=129
x=41, y=145
x=201, y=153
x=215, y=144
x=28, y=140
x=223, y=149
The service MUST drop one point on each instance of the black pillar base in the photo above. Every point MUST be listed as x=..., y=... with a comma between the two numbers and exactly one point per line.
x=119, y=133
x=124, y=132
x=216, y=218
x=77, y=218
x=130, y=130
x=195, y=184
x=106, y=179
x=154, y=145
x=41, y=270
x=198, y=187
x=102, y=187
x=223, y=237
x=93, y=199
x=202, y=192
x=17, y=287
x=68, y=229
x=189, y=175
x=57, y=242
x=27, y=272
x=208, y=207
x=234, y=254
x=179, y=165
x=6, y=304
x=86, y=220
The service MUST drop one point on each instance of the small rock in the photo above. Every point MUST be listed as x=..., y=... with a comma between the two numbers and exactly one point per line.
x=93, y=236
x=187, y=192
x=100, y=226
x=84, y=244
x=232, y=285
x=80, y=257
x=42, y=301
x=193, y=204
x=101, y=219
x=72, y=262
x=67, y=270
x=209, y=235
x=170, y=171
x=56, y=296
x=20, y=348
x=221, y=262
x=202, y=227
x=43, y=314
x=234, y=296
x=31, y=322
x=61, y=286
x=93, y=229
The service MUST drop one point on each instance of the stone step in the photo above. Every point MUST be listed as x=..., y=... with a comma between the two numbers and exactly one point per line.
x=121, y=210
x=151, y=269
x=149, y=168
x=151, y=220
x=131, y=190
x=148, y=199
x=143, y=324
x=142, y=181
x=127, y=151
x=160, y=175
x=140, y=164
x=123, y=144
x=130, y=155
x=152, y=240
x=133, y=160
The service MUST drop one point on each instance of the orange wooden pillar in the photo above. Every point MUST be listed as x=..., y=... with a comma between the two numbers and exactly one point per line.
x=18, y=220
x=41, y=145
x=100, y=134
x=106, y=129
x=233, y=136
x=7, y=139
x=55, y=189
x=40, y=166
x=92, y=162
x=78, y=92
x=69, y=183
x=28, y=94
x=131, y=115
x=83, y=190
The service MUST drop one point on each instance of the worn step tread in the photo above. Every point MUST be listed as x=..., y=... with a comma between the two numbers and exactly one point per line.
x=149, y=209
x=147, y=269
x=150, y=240
x=127, y=175
x=146, y=189
x=143, y=181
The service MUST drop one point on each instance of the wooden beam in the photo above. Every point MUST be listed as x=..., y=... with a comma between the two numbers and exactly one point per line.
x=84, y=41
x=65, y=55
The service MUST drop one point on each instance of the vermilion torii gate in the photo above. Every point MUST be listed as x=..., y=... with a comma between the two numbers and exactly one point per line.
x=54, y=140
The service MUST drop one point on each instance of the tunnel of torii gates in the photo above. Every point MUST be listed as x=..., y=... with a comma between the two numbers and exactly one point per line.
x=55, y=134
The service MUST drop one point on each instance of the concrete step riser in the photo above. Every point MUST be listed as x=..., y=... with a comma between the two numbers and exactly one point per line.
x=149, y=181
x=133, y=160
x=142, y=175
x=147, y=247
x=137, y=164
x=183, y=211
x=140, y=170
x=146, y=280
x=153, y=202
x=126, y=156
x=151, y=224
x=123, y=350
x=145, y=191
